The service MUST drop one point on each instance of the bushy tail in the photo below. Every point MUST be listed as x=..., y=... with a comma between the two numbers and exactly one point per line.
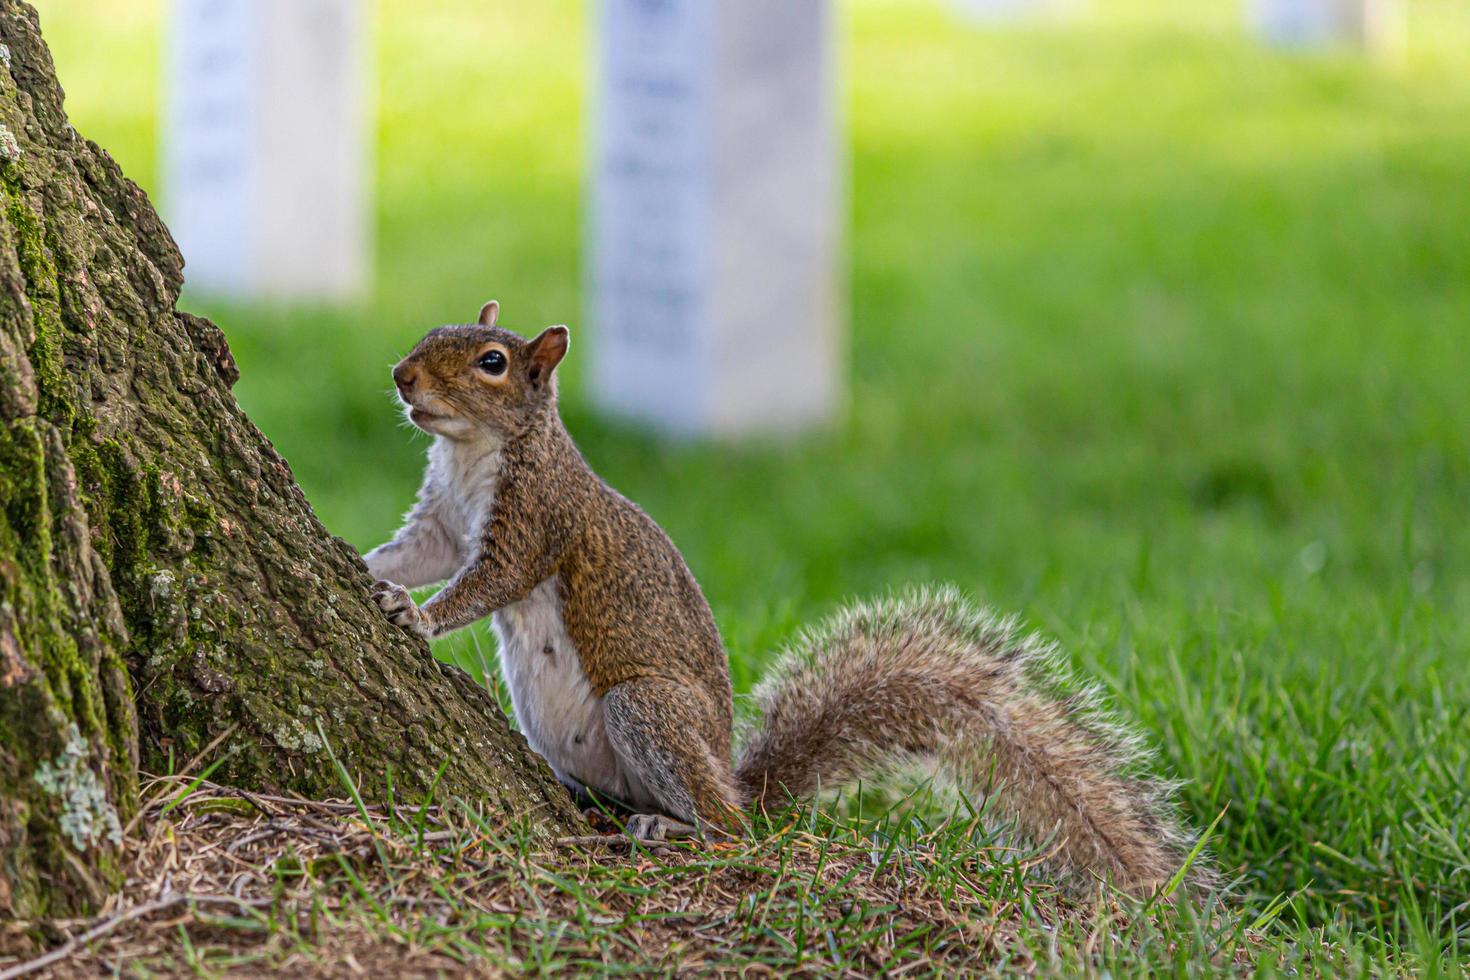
x=929, y=676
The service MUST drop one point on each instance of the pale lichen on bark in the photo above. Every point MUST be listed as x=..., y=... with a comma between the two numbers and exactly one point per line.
x=87, y=815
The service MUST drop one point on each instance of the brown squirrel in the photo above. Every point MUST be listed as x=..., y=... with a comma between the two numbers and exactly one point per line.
x=619, y=679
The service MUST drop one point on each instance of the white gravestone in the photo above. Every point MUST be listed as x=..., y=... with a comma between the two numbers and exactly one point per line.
x=265, y=146
x=716, y=223
x=1376, y=25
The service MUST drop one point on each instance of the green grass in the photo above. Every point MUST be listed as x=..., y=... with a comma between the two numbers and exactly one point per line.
x=1157, y=337
x=259, y=882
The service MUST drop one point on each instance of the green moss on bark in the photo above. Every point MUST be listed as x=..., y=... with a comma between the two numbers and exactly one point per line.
x=65, y=752
x=45, y=350
x=36, y=596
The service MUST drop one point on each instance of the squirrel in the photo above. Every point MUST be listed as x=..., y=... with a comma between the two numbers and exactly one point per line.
x=619, y=679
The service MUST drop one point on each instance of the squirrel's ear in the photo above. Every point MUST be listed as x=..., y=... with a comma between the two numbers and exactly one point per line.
x=546, y=352
x=488, y=313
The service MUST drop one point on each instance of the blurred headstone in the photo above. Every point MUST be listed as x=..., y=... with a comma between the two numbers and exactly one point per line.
x=715, y=283
x=1375, y=25
x=1003, y=11
x=265, y=146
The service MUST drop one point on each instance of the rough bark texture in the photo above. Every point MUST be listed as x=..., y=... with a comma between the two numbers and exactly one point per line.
x=155, y=549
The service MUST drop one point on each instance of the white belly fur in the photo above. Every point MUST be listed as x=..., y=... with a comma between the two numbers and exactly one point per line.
x=559, y=713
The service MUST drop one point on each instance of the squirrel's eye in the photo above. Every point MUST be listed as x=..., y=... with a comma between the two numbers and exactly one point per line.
x=493, y=362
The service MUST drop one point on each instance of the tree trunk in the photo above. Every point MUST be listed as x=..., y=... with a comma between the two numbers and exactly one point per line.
x=155, y=550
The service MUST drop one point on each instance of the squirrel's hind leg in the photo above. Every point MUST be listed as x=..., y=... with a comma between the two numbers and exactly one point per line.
x=656, y=729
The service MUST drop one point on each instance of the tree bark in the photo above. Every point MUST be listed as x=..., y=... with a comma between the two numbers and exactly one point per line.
x=163, y=581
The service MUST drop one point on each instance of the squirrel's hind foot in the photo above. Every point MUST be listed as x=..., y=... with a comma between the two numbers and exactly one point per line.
x=657, y=827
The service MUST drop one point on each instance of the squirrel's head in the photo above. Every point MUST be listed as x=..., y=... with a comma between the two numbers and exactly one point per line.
x=475, y=381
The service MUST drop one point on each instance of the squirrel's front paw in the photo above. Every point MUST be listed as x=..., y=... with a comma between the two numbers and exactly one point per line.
x=395, y=602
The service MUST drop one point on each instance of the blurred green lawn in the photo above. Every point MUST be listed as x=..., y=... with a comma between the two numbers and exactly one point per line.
x=1158, y=337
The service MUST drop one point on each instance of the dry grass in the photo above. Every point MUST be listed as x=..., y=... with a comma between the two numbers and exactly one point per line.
x=225, y=881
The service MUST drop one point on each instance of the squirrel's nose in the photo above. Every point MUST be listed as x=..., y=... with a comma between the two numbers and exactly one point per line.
x=404, y=376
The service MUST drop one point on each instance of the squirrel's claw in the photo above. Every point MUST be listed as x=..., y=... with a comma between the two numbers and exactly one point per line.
x=399, y=608
x=657, y=827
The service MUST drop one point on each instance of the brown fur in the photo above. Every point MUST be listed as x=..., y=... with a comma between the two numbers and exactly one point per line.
x=630, y=604
x=926, y=678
